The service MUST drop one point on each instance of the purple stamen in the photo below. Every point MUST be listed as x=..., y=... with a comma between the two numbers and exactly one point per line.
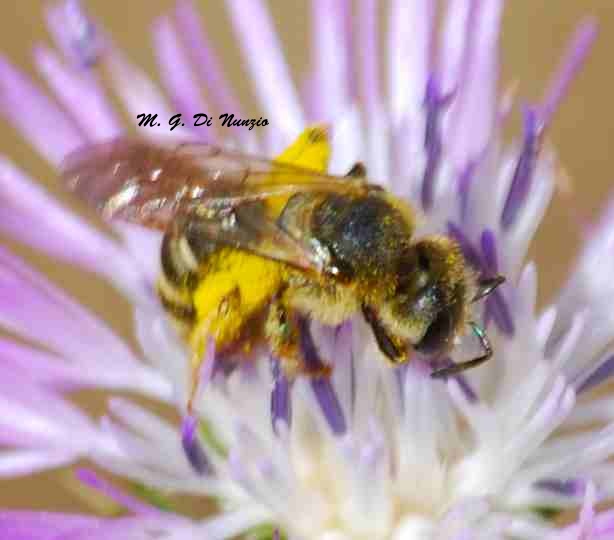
x=329, y=403
x=471, y=254
x=496, y=306
x=498, y=311
x=521, y=181
x=604, y=370
x=488, y=243
x=80, y=39
x=206, y=61
x=191, y=446
x=570, y=65
x=136, y=506
x=434, y=102
x=569, y=488
x=463, y=383
x=464, y=184
x=321, y=385
x=281, y=404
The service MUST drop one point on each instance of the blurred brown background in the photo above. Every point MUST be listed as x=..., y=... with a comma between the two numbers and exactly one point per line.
x=534, y=35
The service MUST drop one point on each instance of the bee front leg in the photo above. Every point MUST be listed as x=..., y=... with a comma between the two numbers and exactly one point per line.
x=358, y=170
x=290, y=340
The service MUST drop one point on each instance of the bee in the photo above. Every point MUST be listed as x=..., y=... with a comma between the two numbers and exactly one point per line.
x=254, y=249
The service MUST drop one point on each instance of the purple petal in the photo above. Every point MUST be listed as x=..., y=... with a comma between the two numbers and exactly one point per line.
x=39, y=119
x=322, y=386
x=330, y=58
x=453, y=48
x=464, y=385
x=80, y=94
x=144, y=247
x=474, y=110
x=192, y=447
x=32, y=217
x=48, y=369
x=329, y=403
x=569, y=488
x=92, y=479
x=26, y=525
x=410, y=44
x=464, y=186
x=469, y=252
x=498, y=310
x=370, y=91
x=206, y=61
x=433, y=103
x=39, y=429
x=138, y=93
x=178, y=76
x=281, y=404
x=75, y=34
x=34, y=308
x=572, y=62
x=266, y=65
x=523, y=175
x=488, y=243
x=603, y=371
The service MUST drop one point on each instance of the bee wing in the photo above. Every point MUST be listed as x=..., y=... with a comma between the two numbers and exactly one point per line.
x=250, y=228
x=152, y=183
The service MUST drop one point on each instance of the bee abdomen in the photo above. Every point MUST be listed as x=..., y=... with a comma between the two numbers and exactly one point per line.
x=179, y=265
x=183, y=312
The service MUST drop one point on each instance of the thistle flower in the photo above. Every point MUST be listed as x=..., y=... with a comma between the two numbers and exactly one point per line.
x=374, y=452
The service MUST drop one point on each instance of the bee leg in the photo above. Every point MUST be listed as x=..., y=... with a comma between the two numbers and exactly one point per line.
x=393, y=350
x=457, y=368
x=487, y=286
x=358, y=170
x=201, y=352
x=290, y=340
x=203, y=342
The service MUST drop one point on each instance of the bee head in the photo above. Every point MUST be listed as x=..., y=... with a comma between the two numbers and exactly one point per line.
x=426, y=307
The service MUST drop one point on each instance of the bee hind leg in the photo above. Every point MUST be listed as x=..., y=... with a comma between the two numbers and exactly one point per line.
x=290, y=339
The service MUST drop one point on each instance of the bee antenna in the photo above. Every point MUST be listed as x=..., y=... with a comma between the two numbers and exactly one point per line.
x=480, y=333
x=487, y=286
